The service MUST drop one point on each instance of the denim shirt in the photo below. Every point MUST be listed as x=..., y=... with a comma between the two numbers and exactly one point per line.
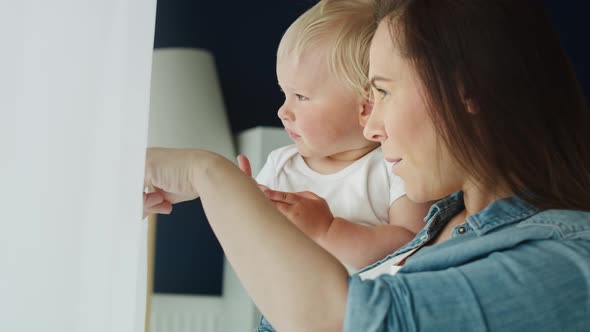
x=509, y=267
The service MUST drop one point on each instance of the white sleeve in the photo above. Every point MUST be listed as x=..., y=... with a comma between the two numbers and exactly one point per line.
x=268, y=173
x=396, y=188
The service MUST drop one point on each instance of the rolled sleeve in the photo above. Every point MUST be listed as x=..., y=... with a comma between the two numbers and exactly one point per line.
x=423, y=301
x=378, y=305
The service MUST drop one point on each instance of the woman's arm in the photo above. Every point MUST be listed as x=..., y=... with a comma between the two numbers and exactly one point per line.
x=295, y=283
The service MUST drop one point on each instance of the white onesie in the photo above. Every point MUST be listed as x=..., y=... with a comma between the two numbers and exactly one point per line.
x=361, y=192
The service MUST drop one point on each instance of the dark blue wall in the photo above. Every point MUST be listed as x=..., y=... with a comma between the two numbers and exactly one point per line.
x=243, y=37
x=570, y=19
x=189, y=260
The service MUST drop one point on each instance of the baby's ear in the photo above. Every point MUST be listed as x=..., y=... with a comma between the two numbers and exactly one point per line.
x=365, y=112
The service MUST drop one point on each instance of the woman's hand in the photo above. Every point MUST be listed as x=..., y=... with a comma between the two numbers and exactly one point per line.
x=171, y=175
x=154, y=202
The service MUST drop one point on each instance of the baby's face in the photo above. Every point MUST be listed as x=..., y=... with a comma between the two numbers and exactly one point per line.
x=320, y=114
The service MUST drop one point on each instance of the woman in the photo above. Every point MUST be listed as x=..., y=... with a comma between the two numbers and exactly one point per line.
x=477, y=105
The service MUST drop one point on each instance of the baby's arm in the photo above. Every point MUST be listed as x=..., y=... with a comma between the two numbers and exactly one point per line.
x=360, y=245
x=353, y=244
x=407, y=214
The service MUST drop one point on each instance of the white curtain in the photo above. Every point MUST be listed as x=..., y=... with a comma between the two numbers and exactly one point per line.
x=74, y=100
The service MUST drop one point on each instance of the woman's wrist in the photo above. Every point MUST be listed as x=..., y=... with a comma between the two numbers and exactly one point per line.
x=206, y=165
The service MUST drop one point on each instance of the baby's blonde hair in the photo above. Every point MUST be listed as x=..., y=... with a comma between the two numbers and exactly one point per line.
x=344, y=29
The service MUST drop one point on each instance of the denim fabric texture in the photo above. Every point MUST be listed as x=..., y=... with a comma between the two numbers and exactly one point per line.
x=264, y=326
x=509, y=267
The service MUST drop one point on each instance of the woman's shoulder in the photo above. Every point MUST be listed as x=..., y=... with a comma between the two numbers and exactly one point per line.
x=564, y=223
x=514, y=212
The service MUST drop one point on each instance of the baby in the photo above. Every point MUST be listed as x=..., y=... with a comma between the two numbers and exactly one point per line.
x=333, y=183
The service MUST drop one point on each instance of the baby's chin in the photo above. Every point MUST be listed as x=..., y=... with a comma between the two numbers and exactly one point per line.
x=303, y=149
x=305, y=152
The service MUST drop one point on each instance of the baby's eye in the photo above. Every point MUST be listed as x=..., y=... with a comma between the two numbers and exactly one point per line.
x=301, y=97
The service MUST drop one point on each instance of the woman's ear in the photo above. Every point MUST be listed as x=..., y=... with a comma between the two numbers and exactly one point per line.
x=470, y=106
x=467, y=101
x=365, y=112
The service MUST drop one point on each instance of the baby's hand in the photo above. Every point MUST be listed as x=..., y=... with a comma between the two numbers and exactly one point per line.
x=244, y=165
x=308, y=211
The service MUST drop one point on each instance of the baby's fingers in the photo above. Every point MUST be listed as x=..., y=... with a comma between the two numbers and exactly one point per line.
x=263, y=188
x=280, y=196
x=284, y=208
x=308, y=194
x=244, y=164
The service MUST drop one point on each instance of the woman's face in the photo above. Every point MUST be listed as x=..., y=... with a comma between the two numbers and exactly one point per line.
x=401, y=123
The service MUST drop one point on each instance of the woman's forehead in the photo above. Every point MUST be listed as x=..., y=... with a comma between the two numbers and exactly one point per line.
x=385, y=59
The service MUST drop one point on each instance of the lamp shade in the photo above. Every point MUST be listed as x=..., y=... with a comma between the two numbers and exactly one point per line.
x=194, y=287
x=187, y=109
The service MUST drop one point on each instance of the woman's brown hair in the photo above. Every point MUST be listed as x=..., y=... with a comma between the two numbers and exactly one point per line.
x=501, y=92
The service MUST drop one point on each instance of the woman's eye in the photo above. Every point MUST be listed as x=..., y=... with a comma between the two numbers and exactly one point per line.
x=301, y=97
x=380, y=92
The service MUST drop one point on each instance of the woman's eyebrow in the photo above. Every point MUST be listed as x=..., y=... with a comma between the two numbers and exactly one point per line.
x=378, y=78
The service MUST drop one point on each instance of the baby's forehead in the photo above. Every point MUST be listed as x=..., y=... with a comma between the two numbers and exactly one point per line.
x=309, y=80
x=309, y=59
x=304, y=61
x=311, y=46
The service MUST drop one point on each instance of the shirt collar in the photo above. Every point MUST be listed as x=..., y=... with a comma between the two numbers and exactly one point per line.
x=499, y=213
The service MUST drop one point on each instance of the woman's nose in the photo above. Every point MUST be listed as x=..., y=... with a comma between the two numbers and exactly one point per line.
x=374, y=130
